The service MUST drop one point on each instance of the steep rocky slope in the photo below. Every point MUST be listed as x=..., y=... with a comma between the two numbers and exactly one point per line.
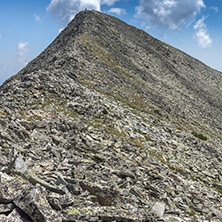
x=110, y=124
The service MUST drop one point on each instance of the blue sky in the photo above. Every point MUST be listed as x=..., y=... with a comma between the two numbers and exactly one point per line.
x=27, y=27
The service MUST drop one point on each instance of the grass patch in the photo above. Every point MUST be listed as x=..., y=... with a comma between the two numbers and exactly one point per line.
x=34, y=117
x=99, y=115
x=21, y=113
x=199, y=136
x=4, y=114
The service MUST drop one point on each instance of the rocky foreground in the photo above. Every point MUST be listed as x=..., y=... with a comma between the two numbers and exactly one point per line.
x=110, y=124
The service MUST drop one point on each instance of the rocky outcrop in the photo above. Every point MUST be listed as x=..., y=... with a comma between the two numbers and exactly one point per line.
x=110, y=124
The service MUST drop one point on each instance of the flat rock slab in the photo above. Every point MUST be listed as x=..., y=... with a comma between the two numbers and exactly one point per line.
x=106, y=214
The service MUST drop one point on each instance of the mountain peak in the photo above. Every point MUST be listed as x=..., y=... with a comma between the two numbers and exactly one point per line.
x=111, y=124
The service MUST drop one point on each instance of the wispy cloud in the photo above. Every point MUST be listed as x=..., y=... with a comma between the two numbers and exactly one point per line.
x=201, y=34
x=22, y=53
x=117, y=11
x=66, y=10
x=12, y=64
x=37, y=17
x=168, y=13
x=108, y=2
x=215, y=9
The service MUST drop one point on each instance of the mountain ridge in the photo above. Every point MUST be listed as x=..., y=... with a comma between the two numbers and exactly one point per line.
x=187, y=83
x=116, y=123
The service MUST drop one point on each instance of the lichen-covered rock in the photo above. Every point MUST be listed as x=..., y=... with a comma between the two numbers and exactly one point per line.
x=11, y=187
x=106, y=214
x=35, y=204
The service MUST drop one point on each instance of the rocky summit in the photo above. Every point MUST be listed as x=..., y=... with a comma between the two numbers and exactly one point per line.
x=111, y=124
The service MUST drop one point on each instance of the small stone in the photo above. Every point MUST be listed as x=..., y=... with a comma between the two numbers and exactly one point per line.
x=3, y=161
x=60, y=180
x=54, y=202
x=73, y=188
x=18, y=165
x=124, y=174
x=40, y=124
x=106, y=196
x=56, y=140
x=93, y=198
x=159, y=209
x=6, y=208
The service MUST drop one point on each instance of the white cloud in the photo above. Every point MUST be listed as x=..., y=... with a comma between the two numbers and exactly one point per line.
x=60, y=30
x=168, y=13
x=117, y=11
x=37, y=18
x=215, y=9
x=22, y=53
x=201, y=34
x=11, y=64
x=109, y=2
x=65, y=10
x=22, y=48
